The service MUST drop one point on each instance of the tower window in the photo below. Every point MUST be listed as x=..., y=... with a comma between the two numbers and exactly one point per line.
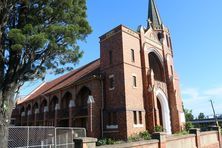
x=135, y=117
x=140, y=118
x=111, y=82
x=134, y=81
x=132, y=55
x=110, y=57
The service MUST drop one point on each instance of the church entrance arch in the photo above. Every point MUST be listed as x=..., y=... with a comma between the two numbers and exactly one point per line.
x=164, y=110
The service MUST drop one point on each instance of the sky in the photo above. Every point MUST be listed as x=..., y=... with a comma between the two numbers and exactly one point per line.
x=196, y=32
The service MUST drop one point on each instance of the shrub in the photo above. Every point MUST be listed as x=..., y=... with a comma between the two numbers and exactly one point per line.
x=184, y=132
x=141, y=136
x=158, y=128
x=106, y=141
x=101, y=142
x=145, y=135
x=188, y=126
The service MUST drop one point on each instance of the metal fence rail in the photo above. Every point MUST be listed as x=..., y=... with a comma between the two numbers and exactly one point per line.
x=43, y=137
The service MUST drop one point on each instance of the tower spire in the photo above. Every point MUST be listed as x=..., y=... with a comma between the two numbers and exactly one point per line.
x=153, y=16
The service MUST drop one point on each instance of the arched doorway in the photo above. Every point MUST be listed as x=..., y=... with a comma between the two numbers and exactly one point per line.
x=64, y=111
x=164, y=111
x=80, y=118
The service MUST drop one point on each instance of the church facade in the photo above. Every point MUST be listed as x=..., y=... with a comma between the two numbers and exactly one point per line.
x=133, y=87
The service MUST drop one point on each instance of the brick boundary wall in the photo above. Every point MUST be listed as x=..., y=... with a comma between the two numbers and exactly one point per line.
x=212, y=139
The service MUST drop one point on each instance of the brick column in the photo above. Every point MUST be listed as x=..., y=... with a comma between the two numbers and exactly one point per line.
x=217, y=128
x=162, y=139
x=46, y=110
x=196, y=131
x=57, y=108
x=71, y=111
x=85, y=142
x=36, y=114
x=90, y=103
x=90, y=130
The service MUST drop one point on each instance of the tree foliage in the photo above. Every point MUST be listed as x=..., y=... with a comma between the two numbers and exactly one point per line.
x=36, y=36
x=201, y=116
x=188, y=114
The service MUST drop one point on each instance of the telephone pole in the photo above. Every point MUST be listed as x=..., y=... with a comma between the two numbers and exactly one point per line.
x=214, y=113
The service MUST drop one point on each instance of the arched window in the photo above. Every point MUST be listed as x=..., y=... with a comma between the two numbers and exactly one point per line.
x=156, y=66
x=53, y=103
x=43, y=105
x=28, y=110
x=82, y=97
x=65, y=100
x=35, y=107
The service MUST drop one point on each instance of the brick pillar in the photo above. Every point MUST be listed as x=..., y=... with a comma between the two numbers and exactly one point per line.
x=71, y=111
x=90, y=103
x=152, y=114
x=85, y=142
x=46, y=109
x=217, y=128
x=90, y=116
x=162, y=139
x=196, y=131
x=57, y=107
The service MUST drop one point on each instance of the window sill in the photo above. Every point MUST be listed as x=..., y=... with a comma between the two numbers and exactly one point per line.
x=111, y=126
x=137, y=125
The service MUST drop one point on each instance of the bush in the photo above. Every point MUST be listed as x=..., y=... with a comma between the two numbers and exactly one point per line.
x=141, y=136
x=105, y=141
x=145, y=135
x=158, y=128
x=188, y=126
x=184, y=132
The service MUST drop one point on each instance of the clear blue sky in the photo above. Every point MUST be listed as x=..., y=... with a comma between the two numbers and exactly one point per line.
x=196, y=30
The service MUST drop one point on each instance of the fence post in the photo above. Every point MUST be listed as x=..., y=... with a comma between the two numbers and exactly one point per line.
x=28, y=136
x=196, y=131
x=55, y=139
x=161, y=137
x=85, y=142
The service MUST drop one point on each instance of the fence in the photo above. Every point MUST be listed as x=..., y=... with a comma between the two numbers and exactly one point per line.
x=43, y=137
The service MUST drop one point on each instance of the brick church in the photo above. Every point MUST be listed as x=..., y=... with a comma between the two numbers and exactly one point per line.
x=132, y=87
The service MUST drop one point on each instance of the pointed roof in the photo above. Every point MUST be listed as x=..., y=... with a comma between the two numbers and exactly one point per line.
x=153, y=16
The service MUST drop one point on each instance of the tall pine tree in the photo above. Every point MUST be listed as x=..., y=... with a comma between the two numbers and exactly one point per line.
x=35, y=36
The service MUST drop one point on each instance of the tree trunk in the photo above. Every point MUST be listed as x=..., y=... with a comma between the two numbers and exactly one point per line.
x=7, y=103
x=4, y=136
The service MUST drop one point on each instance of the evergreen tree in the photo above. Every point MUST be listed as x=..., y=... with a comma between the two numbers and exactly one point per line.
x=201, y=116
x=35, y=36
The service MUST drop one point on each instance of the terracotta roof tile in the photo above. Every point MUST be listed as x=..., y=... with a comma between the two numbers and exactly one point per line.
x=84, y=71
x=62, y=81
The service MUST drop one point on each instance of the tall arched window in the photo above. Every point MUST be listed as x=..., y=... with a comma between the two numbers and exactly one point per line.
x=65, y=100
x=43, y=105
x=156, y=66
x=82, y=97
x=53, y=103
